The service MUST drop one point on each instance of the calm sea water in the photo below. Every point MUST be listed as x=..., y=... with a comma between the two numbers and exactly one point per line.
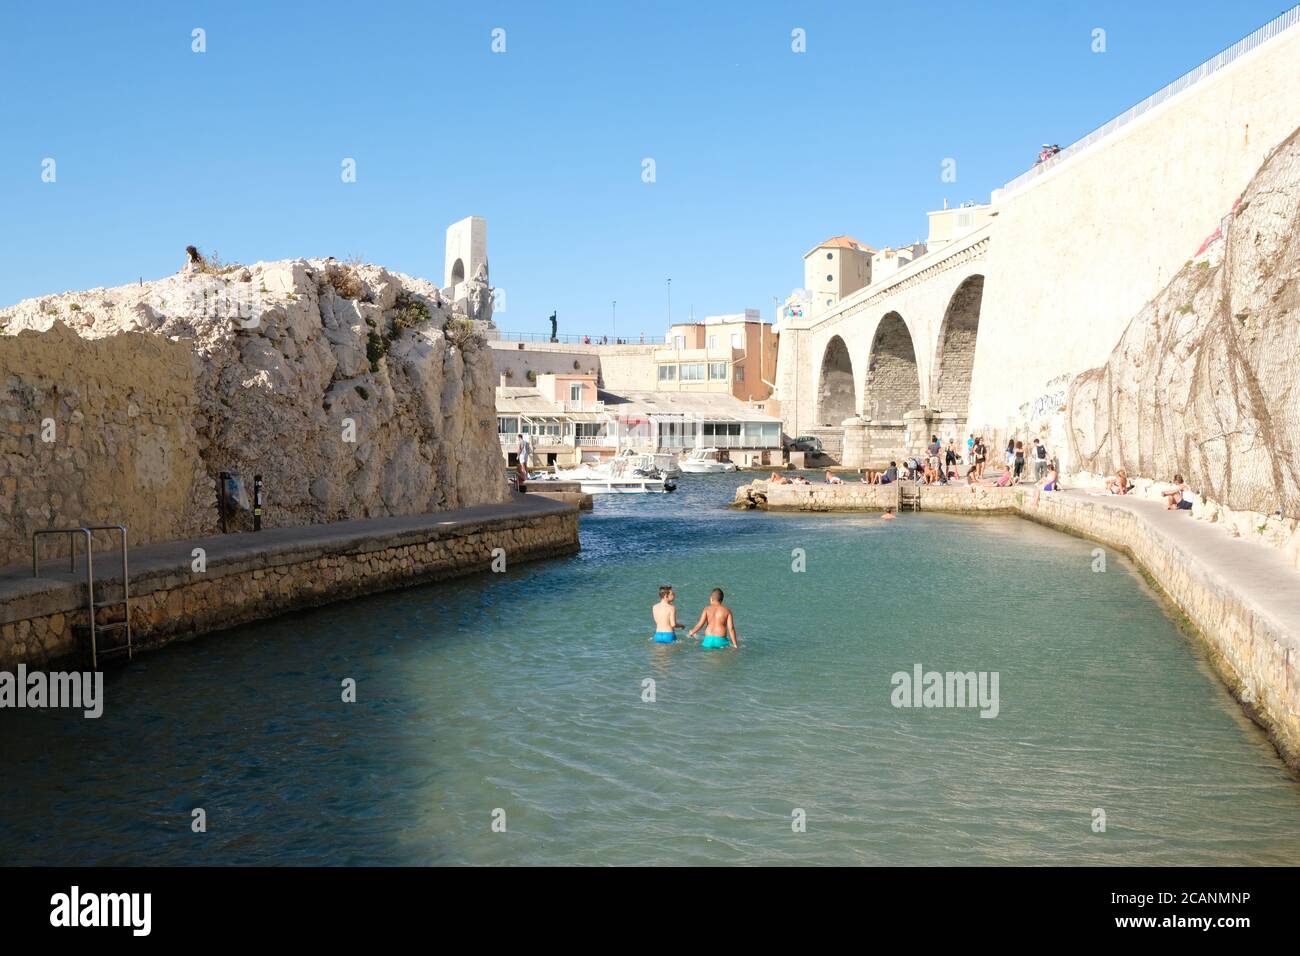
x=523, y=692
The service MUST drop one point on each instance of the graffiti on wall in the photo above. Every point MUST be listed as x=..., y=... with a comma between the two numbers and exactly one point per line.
x=1051, y=401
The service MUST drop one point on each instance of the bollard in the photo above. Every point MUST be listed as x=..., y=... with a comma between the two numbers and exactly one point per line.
x=257, y=502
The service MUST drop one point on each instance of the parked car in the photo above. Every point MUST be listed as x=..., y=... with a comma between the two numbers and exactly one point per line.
x=809, y=444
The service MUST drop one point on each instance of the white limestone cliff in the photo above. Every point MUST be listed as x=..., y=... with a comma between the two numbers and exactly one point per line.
x=1203, y=381
x=353, y=391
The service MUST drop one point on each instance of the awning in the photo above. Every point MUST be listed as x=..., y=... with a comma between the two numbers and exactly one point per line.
x=711, y=419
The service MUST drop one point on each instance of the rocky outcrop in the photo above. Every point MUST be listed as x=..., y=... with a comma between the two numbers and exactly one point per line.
x=752, y=496
x=1205, y=379
x=353, y=391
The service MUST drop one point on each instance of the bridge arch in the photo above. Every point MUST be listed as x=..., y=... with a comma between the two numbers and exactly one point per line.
x=836, y=389
x=893, y=383
x=954, y=357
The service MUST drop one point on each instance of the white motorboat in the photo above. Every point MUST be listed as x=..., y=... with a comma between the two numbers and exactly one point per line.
x=615, y=477
x=663, y=462
x=707, y=461
x=666, y=463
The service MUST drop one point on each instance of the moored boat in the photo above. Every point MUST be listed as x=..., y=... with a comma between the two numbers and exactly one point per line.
x=617, y=476
x=665, y=463
x=707, y=461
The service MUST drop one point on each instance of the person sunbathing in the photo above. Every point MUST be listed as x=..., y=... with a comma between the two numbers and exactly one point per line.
x=1119, y=484
x=886, y=477
x=777, y=479
x=1179, y=497
x=833, y=479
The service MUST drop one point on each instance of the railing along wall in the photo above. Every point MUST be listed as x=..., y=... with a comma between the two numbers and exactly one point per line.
x=1188, y=79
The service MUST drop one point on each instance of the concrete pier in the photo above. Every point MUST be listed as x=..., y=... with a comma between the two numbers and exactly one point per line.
x=1240, y=597
x=254, y=575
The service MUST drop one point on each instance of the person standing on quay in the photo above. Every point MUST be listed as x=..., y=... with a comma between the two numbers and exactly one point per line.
x=525, y=453
x=934, y=454
x=1040, y=460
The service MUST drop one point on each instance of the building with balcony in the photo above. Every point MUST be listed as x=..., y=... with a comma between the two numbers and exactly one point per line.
x=724, y=355
x=568, y=421
x=562, y=416
x=681, y=421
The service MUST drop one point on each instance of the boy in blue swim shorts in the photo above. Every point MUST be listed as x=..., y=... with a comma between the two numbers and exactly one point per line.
x=665, y=615
x=719, y=626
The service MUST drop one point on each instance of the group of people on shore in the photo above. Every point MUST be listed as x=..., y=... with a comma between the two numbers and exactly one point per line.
x=1025, y=461
x=941, y=464
x=716, y=620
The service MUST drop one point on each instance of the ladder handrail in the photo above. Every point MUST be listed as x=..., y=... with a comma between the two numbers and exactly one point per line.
x=88, y=530
x=72, y=548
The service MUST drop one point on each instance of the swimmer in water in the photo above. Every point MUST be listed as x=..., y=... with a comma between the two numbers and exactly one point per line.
x=719, y=626
x=665, y=615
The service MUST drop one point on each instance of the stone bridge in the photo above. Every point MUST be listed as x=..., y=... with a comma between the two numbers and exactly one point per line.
x=986, y=334
x=891, y=364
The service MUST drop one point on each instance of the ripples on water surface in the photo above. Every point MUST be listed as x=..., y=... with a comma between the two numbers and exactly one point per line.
x=523, y=692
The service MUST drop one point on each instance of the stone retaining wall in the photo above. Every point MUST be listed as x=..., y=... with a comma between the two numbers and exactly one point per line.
x=1252, y=648
x=98, y=431
x=856, y=496
x=45, y=627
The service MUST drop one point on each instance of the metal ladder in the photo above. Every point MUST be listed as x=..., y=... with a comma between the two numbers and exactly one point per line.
x=909, y=496
x=91, y=606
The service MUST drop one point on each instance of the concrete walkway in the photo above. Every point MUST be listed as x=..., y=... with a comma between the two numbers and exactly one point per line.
x=1257, y=573
x=23, y=596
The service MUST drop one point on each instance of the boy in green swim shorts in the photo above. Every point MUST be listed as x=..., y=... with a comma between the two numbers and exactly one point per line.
x=719, y=626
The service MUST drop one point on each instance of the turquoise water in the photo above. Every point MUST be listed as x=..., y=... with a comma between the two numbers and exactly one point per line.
x=523, y=692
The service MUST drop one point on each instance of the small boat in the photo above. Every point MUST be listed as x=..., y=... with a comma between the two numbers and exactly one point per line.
x=707, y=461
x=616, y=477
x=663, y=462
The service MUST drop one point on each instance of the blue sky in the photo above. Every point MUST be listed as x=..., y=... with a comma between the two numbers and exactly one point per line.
x=759, y=152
